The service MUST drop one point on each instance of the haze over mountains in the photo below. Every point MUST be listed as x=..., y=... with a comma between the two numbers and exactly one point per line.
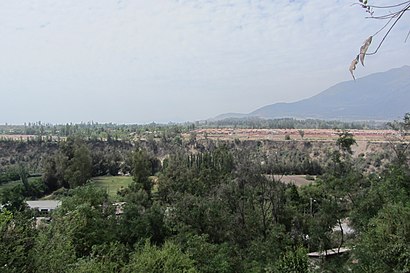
x=379, y=96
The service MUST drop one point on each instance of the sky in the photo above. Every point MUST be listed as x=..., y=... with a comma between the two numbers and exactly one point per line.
x=141, y=61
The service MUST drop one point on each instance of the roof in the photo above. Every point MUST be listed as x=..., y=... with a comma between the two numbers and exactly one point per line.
x=328, y=252
x=44, y=204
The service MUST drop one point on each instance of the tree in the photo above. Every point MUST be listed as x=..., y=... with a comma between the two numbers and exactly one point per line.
x=141, y=170
x=13, y=198
x=345, y=141
x=79, y=167
x=86, y=218
x=105, y=258
x=168, y=258
x=51, y=178
x=399, y=142
x=5, y=217
x=394, y=12
x=294, y=261
x=16, y=241
x=70, y=167
x=385, y=245
x=141, y=220
x=208, y=257
x=391, y=187
x=301, y=133
x=24, y=177
x=142, y=216
x=53, y=251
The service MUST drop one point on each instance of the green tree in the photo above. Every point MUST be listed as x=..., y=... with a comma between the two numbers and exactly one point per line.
x=54, y=168
x=13, y=198
x=79, y=166
x=106, y=258
x=209, y=257
x=16, y=241
x=5, y=218
x=54, y=250
x=24, y=177
x=293, y=261
x=345, y=141
x=86, y=218
x=141, y=220
x=141, y=170
x=168, y=258
x=377, y=191
x=399, y=143
x=385, y=245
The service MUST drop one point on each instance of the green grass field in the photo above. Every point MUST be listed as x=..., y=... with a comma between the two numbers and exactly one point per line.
x=11, y=184
x=109, y=183
x=112, y=183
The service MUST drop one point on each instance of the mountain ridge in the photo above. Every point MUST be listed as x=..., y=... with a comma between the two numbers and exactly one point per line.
x=378, y=96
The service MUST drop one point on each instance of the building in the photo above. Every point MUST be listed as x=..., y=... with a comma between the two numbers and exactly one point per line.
x=44, y=206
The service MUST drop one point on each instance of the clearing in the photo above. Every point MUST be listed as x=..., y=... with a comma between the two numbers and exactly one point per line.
x=112, y=183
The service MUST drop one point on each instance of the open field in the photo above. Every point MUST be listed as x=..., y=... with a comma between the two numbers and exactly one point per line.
x=298, y=180
x=112, y=183
x=11, y=184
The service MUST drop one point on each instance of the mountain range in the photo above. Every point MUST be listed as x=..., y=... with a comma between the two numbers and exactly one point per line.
x=379, y=96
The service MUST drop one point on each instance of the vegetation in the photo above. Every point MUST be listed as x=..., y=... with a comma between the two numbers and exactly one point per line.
x=115, y=132
x=212, y=207
x=290, y=123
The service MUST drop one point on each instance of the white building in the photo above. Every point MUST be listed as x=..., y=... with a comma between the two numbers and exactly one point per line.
x=44, y=206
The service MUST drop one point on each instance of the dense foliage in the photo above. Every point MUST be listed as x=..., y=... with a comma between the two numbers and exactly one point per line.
x=207, y=208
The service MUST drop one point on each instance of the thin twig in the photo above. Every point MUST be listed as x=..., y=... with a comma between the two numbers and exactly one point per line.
x=386, y=16
x=383, y=27
x=387, y=7
x=387, y=33
x=407, y=37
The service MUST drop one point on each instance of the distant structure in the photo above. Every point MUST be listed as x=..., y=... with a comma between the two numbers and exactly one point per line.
x=44, y=207
x=327, y=254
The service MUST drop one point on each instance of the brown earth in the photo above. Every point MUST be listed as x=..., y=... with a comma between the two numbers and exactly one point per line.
x=298, y=180
x=294, y=134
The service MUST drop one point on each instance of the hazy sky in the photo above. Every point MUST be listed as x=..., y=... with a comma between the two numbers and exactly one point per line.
x=132, y=61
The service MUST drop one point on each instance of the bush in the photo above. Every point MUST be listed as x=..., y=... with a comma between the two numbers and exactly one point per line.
x=153, y=259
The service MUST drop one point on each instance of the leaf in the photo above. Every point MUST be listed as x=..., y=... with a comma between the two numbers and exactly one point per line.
x=364, y=48
x=353, y=66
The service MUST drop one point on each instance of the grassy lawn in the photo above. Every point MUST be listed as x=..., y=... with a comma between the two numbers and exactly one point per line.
x=109, y=183
x=11, y=184
x=112, y=183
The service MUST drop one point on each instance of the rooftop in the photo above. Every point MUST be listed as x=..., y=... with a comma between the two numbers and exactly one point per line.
x=44, y=204
x=328, y=252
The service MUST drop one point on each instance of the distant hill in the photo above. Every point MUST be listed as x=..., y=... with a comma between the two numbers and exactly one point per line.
x=379, y=96
x=230, y=115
